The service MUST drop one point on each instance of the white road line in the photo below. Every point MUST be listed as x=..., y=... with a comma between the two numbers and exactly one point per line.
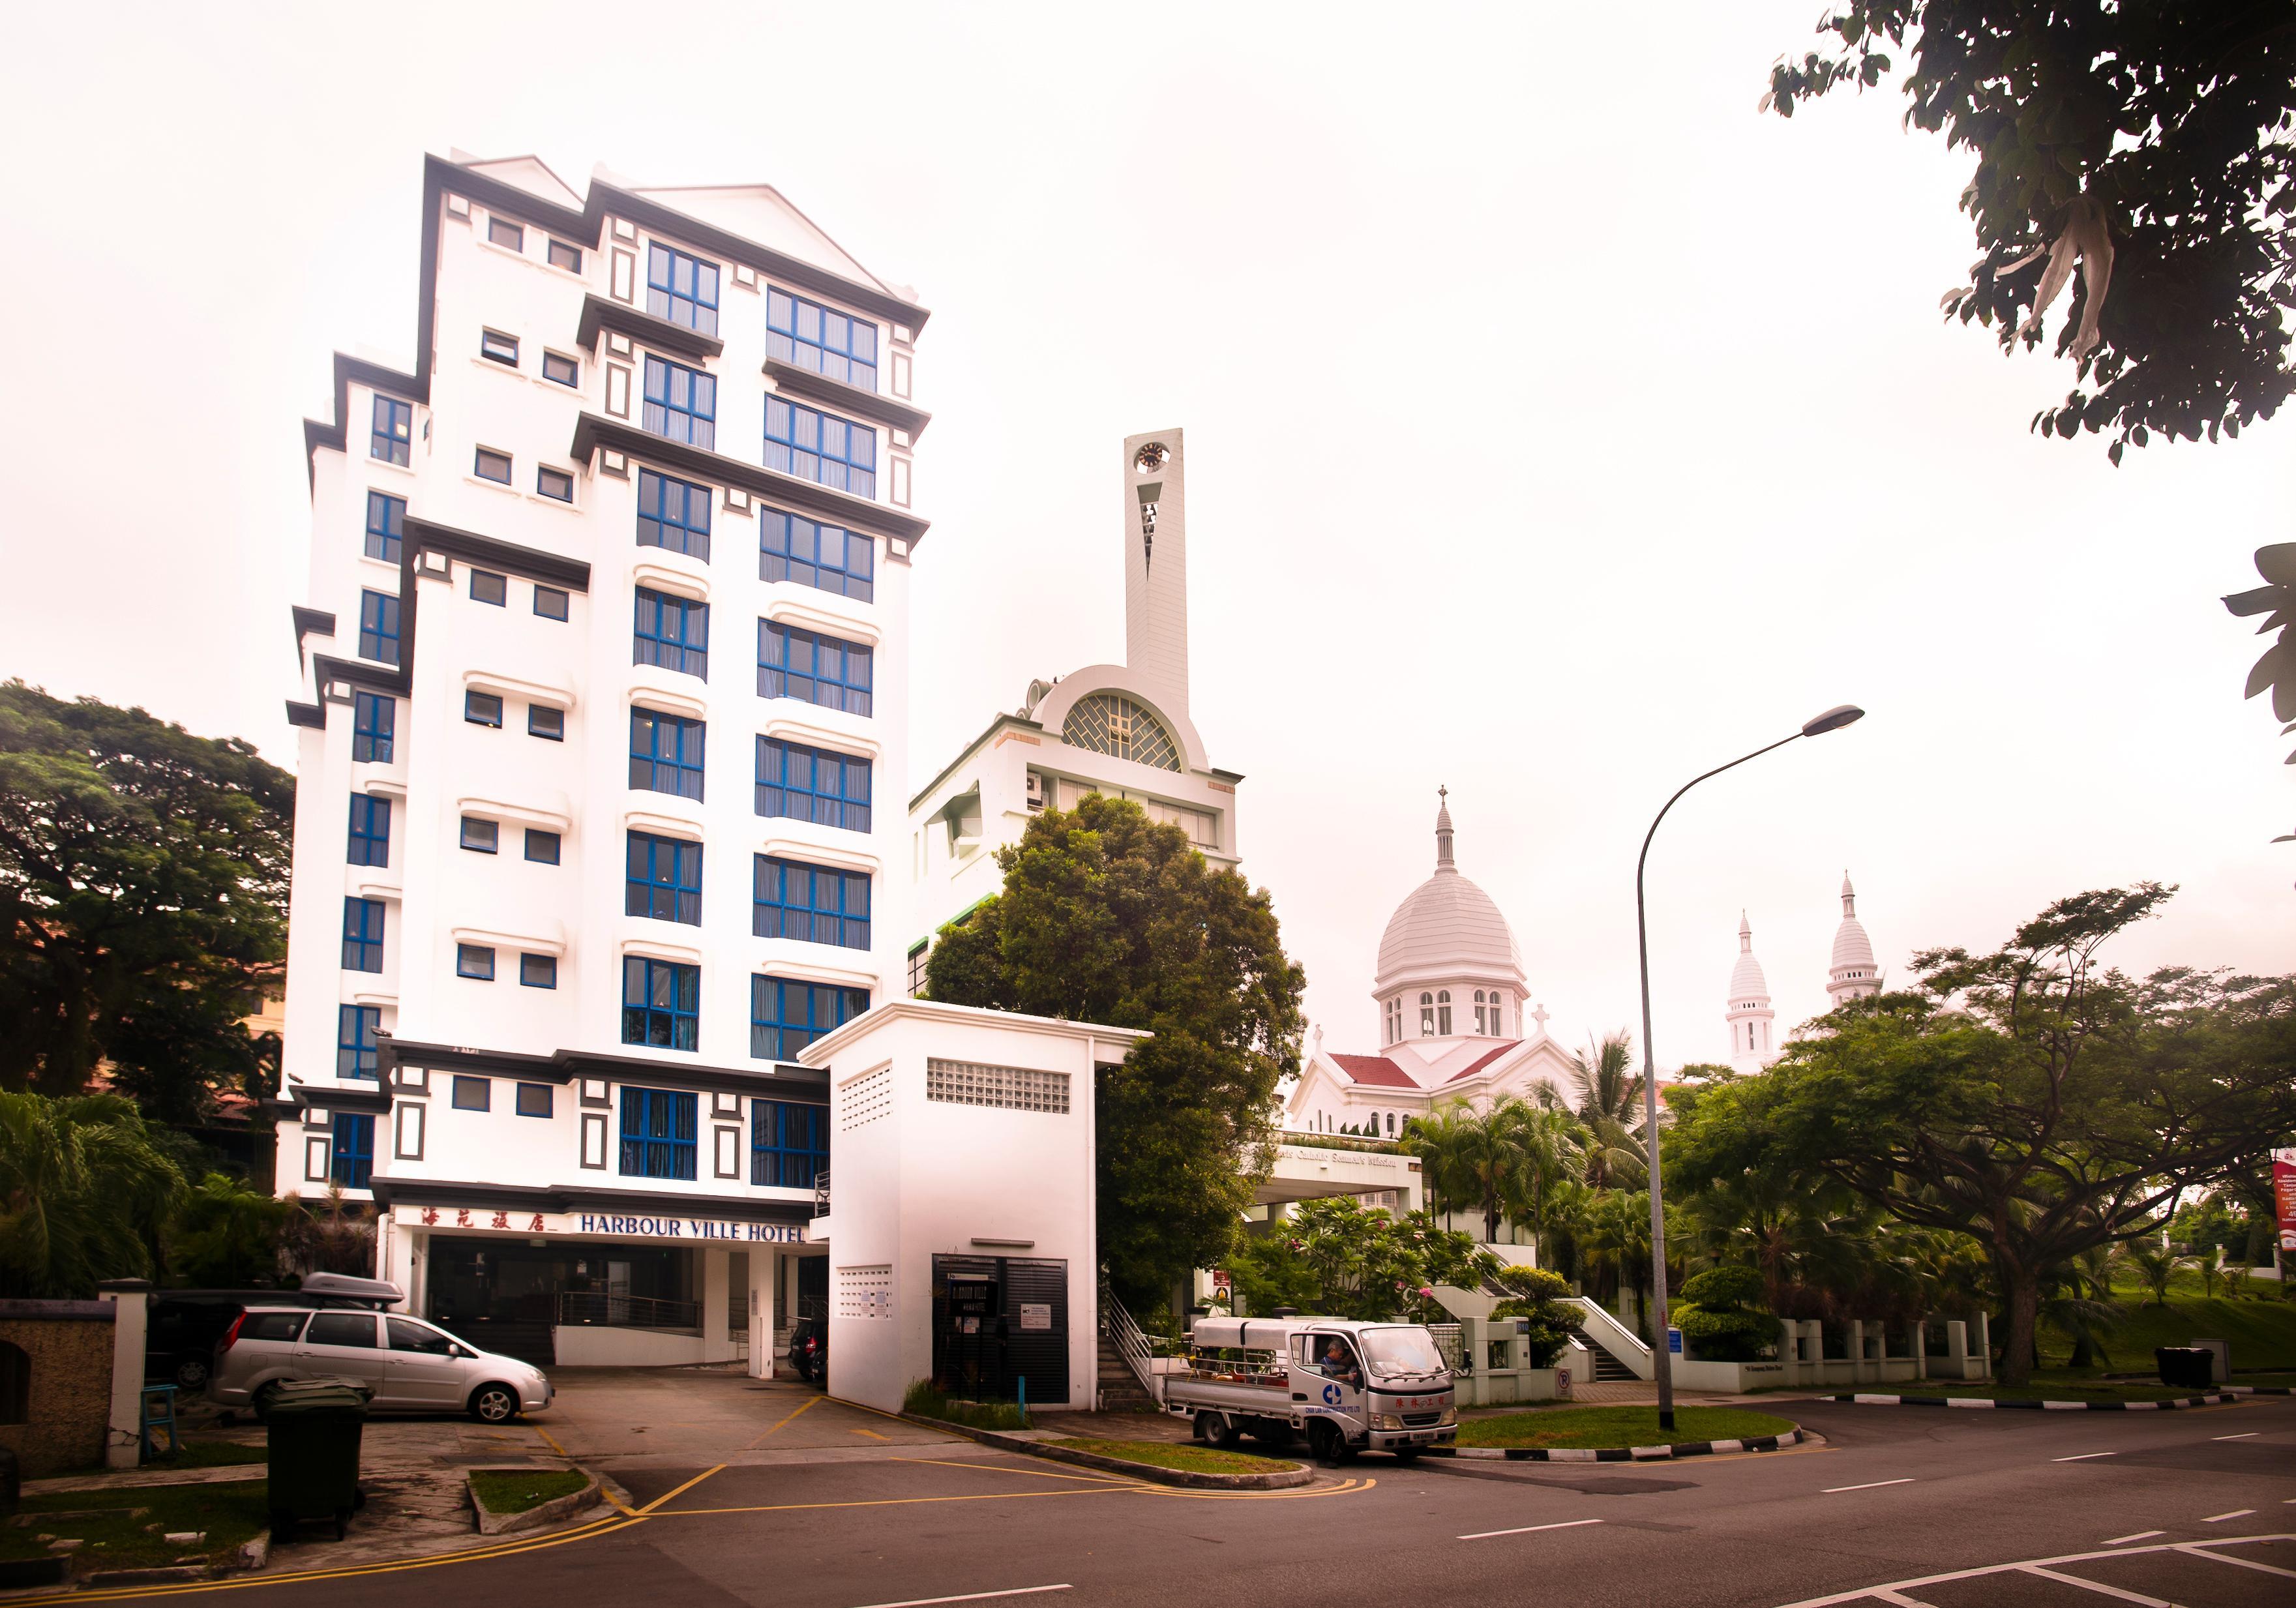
x=2142, y=1535
x=1481, y=1535
x=2098, y=1586
x=2205, y=1552
x=1869, y=1485
x=2246, y=1435
x=1839, y=1598
x=2084, y=1456
x=2237, y=1512
x=1900, y=1599
x=970, y=1597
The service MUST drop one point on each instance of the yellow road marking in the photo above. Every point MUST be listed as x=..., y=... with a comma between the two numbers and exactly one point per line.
x=554, y=1447
x=784, y=1507
x=1033, y=1473
x=873, y=1434
x=809, y=1403
x=650, y=1506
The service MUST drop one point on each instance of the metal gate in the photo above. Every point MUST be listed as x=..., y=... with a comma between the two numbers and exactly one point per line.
x=997, y=1320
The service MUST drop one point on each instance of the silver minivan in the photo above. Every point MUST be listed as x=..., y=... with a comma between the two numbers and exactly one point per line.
x=412, y=1366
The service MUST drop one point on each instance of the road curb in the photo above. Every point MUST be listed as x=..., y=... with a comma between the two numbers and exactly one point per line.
x=493, y=1523
x=1987, y=1402
x=1298, y=1474
x=1620, y=1454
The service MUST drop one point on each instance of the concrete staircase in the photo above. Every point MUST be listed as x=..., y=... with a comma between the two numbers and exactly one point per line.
x=1607, y=1367
x=1120, y=1388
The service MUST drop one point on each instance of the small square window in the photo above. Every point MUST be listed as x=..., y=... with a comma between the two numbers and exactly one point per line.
x=473, y=1094
x=475, y=962
x=550, y=603
x=534, y=1099
x=505, y=233
x=482, y=709
x=481, y=837
x=492, y=465
x=543, y=721
x=541, y=846
x=566, y=257
x=560, y=371
x=501, y=348
x=555, y=484
x=537, y=971
x=489, y=587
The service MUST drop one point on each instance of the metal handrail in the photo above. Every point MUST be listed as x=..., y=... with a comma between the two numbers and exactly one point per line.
x=820, y=1192
x=1131, y=1342
x=1600, y=1326
x=591, y=1306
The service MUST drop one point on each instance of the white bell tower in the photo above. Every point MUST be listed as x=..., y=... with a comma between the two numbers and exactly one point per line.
x=1752, y=1022
x=1156, y=566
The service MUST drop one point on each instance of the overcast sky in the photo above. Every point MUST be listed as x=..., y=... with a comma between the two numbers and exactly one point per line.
x=1558, y=428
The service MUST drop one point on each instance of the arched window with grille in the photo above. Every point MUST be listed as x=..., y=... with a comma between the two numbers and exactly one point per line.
x=1427, y=1016
x=1108, y=723
x=1443, y=1013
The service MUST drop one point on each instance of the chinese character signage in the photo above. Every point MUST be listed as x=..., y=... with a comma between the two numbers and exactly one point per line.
x=592, y=1225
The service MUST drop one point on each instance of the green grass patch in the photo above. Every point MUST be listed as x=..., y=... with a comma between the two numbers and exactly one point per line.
x=515, y=1491
x=128, y=1528
x=214, y=1454
x=1559, y=1428
x=2046, y=1386
x=1181, y=1455
x=2261, y=1334
x=926, y=1400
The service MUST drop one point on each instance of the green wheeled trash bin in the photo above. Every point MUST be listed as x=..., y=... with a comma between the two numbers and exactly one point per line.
x=314, y=1428
x=2185, y=1367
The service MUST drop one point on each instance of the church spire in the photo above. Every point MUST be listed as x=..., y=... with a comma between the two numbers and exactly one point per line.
x=1854, y=973
x=1443, y=861
x=1750, y=1020
x=1848, y=898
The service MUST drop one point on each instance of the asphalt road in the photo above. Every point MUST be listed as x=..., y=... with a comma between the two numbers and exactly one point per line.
x=1897, y=1495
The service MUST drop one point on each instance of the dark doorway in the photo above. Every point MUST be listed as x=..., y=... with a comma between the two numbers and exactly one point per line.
x=997, y=1320
x=507, y=1296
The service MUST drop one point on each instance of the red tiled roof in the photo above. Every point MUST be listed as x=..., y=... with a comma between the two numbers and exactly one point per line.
x=1482, y=1061
x=1375, y=1068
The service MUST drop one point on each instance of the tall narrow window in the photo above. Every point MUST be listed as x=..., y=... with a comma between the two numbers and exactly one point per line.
x=370, y=830
x=393, y=439
x=352, y=1163
x=373, y=717
x=666, y=754
x=1427, y=1015
x=815, y=446
x=1443, y=1013
x=812, y=784
x=789, y=1144
x=658, y=1132
x=1498, y=1024
x=812, y=904
x=821, y=339
x=386, y=525
x=361, y=935
x=814, y=669
x=664, y=881
x=357, y=1049
x=681, y=403
x=661, y=1004
x=378, y=637
x=673, y=514
x=792, y=548
x=682, y=288
x=785, y=1016
x=564, y=256
x=672, y=634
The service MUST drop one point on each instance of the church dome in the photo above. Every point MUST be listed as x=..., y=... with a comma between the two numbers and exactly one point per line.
x=1746, y=979
x=1448, y=928
x=1854, y=972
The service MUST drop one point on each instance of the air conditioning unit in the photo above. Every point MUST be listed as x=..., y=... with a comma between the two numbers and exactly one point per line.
x=1036, y=790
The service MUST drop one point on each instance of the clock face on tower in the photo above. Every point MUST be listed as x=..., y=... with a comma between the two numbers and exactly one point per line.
x=1152, y=457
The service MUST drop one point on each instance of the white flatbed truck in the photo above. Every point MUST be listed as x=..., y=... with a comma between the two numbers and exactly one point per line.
x=1346, y=1385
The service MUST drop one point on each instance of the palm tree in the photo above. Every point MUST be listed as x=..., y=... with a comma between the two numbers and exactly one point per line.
x=1477, y=1159
x=1611, y=1108
x=2154, y=1265
x=84, y=1193
x=1553, y=1151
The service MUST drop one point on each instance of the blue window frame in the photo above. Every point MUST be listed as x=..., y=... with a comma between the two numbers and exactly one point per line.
x=666, y=754
x=661, y=1004
x=785, y=1016
x=491, y=587
x=681, y=403
x=475, y=961
x=821, y=339
x=792, y=548
x=379, y=628
x=370, y=830
x=352, y=1163
x=658, y=1128
x=665, y=879
x=550, y=603
x=537, y=971
x=482, y=709
x=361, y=935
x=814, y=669
x=546, y=723
x=356, y=1050
x=474, y=1093
x=682, y=288
x=812, y=784
x=386, y=525
x=541, y=846
x=789, y=1144
x=394, y=430
x=673, y=514
x=671, y=633
x=812, y=904
x=815, y=446
x=535, y=1099
x=375, y=716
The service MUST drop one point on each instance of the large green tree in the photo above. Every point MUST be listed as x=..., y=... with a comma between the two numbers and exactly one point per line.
x=142, y=902
x=85, y=1194
x=1108, y=916
x=2032, y=1098
x=2152, y=142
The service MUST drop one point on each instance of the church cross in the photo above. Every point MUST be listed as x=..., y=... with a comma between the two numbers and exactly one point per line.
x=1539, y=1016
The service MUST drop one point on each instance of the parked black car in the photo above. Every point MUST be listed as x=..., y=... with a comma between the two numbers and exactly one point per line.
x=809, y=1350
x=185, y=1326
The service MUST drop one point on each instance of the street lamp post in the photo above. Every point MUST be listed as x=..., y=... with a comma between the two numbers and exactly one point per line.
x=1661, y=1358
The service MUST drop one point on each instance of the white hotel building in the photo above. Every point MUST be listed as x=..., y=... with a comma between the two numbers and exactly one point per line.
x=600, y=835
